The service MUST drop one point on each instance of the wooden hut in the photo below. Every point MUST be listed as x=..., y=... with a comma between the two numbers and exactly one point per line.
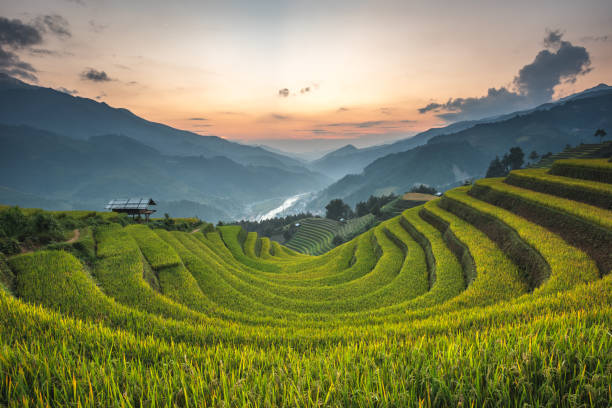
x=132, y=206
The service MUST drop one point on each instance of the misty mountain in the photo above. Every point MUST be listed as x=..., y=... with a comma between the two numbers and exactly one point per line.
x=87, y=173
x=447, y=159
x=353, y=160
x=81, y=118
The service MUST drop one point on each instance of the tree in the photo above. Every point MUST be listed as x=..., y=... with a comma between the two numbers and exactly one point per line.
x=601, y=134
x=533, y=156
x=515, y=159
x=423, y=189
x=496, y=168
x=362, y=209
x=337, y=209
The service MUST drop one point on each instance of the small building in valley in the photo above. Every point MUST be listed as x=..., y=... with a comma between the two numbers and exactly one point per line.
x=132, y=206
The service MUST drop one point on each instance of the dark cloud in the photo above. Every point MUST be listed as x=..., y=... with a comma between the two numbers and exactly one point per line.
x=11, y=64
x=54, y=24
x=68, y=91
x=197, y=119
x=494, y=102
x=94, y=75
x=283, y=93
x=102, y=95
x=560, y=62
x=342, y=109
x=15, y=35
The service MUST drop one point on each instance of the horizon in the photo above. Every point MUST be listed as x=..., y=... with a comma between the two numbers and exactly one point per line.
x=275, y=74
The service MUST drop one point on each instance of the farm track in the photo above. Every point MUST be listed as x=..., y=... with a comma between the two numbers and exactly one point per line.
x=497, y=294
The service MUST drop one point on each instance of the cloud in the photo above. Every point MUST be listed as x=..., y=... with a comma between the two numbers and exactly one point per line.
x=94, y=75
x=277, y=116
x=15, y=35
x=68, y=91
x=11, y=64
x=371, y=124
x=231, y=113
x=285, y=92
x=560, y=62
x=79, y=2
x=494, y=102
x=596, y=38
x=102, y=95
x=97, y=27
x=54, y=24
x=342, y=109
x=197, y=119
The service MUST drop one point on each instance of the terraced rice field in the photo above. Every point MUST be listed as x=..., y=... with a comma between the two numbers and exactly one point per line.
x=497, y=294
x=401, y=204
x=314, y=236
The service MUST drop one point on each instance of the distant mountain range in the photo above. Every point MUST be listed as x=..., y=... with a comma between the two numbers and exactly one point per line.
x=352, y=160
x=464, y=150
x=80, y=118
x=59, y=150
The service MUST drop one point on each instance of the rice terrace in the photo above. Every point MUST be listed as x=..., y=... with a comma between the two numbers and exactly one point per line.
x=407, y=204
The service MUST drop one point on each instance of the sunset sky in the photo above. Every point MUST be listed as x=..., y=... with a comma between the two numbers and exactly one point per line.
x=259, y=70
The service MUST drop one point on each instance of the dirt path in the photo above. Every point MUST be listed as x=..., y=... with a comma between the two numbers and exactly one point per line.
x=75, y=237
x=196, y=230
x=77, y=234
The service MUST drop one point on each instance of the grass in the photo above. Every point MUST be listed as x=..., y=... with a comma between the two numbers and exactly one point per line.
x=434, y=307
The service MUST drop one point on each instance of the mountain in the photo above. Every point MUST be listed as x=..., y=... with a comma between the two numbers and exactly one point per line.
x=437, y=165
x=88, y=173
x=446, y=159
x=81, y=118
x=354, y=161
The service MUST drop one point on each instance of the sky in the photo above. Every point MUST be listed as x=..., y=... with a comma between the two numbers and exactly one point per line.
x=287, y=72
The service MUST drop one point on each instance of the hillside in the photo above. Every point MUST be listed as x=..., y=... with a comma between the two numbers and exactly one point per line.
x=440, y=165
x=87, y=173
x=81, y=118
x=451, y=158
x=498, y=293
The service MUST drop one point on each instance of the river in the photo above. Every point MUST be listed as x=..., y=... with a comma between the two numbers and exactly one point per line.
x=287, y=204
